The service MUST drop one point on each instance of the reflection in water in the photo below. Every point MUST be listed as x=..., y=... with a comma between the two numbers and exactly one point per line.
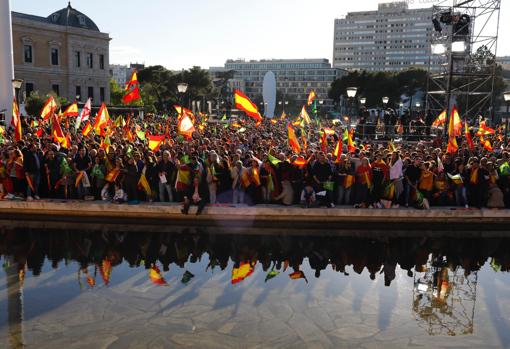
x=445, y=271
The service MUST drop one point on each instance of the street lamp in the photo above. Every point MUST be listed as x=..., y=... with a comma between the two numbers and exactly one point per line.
x=506, y=96
x=385, y=100
x=362, y=100
x=182, y=87
x=351, y=93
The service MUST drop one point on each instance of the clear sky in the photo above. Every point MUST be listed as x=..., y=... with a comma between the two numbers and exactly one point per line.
x=180, y=34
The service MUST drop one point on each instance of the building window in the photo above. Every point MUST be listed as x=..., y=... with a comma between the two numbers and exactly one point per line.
x=90, y=62
x=54, y=56
x=29, y=88
x=78, y=93
x=27, y=53
x=101, y=94
x=81, y=19
x=101, y=61
x=55, y=88
x=90, y=92
x=77, y=58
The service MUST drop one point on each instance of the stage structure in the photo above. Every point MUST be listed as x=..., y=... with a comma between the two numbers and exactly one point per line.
x=465, y=35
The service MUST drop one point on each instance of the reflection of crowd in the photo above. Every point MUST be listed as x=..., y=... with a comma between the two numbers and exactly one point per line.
x=240, y=163
x=33, y=248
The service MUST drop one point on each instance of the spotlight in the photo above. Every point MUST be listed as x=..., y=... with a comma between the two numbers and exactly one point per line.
x=459, y=46
x=438, y=49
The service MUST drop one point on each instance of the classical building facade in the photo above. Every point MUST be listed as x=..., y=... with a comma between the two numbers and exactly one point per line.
x=392, y=38
x=64, y=52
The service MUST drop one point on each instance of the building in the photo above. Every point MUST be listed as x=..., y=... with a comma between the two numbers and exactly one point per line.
x=64, y=52
x=295, y=78
x=390, y=39
x=504, y=61
x=122, y=73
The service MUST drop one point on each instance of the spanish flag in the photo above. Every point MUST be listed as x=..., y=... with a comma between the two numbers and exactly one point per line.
x=16, y=121
x=144, y=184
x=105, y=270
x=79, y=178
x=484, y=129
x=185, y=126
x=452, y=141
x=49, y=108
x=245, y=178
x=304, y=115
x=72, y=110
x=441, y=119
x=240, y=273
x=255, y=176
x=457, y=123
x=86, y=130
x=57, y=133
x=156, y=277
x=105, y=144
x=351, y=148
x=155, y=142
x=338, y=149
x=112, y=175
x=245, y=104
x=311, y=97
x=101, y=120
x=469, y=140
x=293, y=141
x=132, y=90
x=300, y=162
x=486, y=144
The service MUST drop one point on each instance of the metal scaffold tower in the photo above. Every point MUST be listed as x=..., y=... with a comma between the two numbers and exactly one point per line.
x=463, y=66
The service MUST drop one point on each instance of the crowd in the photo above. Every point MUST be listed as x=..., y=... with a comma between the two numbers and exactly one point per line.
x=239, y=162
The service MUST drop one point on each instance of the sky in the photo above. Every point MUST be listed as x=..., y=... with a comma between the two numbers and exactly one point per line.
x=181, y=34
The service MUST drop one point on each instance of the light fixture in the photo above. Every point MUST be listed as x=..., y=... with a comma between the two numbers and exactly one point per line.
x=401, y=105
x=459, y=46
x=351, y=92
x=363, y=100
x=438, y=49
x=385, y=100
x=506, y=96
x=286, y=102
x=182, y=87
x=418, y=104
x=16, y=83
x=321, y=102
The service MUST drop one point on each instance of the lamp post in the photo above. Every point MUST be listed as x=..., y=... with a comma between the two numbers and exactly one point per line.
x=506, y=96
x=351, y=93
x=182, y=87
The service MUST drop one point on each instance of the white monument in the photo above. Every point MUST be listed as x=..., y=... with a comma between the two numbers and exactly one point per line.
x=269, y=94
x=6, y=61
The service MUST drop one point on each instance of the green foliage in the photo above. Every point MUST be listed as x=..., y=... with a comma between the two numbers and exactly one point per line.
x=116, y=93
x=34, y=104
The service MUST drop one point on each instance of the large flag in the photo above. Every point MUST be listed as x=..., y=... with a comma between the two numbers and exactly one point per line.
x=452, y=141
x=132, y=89
x=49, y=108
x=293, y=141
x=155, y=142
x=311, y=97
x=101, y=120
x=57, y=133
x=185, y=126
x=469, y=140
x=244, y=270
x=485, y=130
x=304, y=115
x=441, y=119
x=72, y=110
x=85, y=113
x=245, y=104
x=16, y=121
x=457, y=122
x=351, y=148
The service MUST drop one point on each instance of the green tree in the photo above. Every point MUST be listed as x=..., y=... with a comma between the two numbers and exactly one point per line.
x=34, y=104
x=116, y=93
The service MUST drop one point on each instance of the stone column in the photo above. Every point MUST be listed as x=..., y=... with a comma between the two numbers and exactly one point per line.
x=6, y=61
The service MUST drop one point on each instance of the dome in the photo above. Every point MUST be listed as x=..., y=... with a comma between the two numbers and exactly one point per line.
x=73, y=18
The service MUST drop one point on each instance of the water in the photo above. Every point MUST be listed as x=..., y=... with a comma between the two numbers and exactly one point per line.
x=100, y=289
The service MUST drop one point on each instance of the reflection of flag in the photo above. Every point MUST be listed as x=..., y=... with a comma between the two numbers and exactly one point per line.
x=293, y=141
x=304, y=115
x=155, y=142
x=49, y=108
x=156, y=277
x=245, y=104
x=132, y=89
x=441, y=119
x=311, y=97
x=298, y=275
x=186, y=277
x=72, y=110
x=271, y=274
x=105, y=270
x=240, y=273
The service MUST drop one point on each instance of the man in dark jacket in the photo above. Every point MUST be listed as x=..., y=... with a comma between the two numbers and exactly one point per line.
x=32, y=167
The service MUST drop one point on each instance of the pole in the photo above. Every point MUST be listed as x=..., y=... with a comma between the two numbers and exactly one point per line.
x=6, y=61
x=506, y=123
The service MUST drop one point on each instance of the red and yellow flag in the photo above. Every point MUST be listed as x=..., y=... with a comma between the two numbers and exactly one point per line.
x=441, y=119
x=298, y=275
x=311, y=97
x=49, y=108
x=105, y=144
x=300, y=162
x=72, y=110
x=112, y=175
x=155, y=142
x=57, y=132
x=293, y=141
x=101, y=120
x=338, y=150
x=457, y=122
x=86, y=129
x=245, y=104
x=485, y=130
x=105, y=270
x=304, y=115
x=132, y=90
x=16, y=121
x=469, y=140
x=240, y=273
x=185, y=126
x=452, y=141
x=351, y=148
x=486, y=144
x=155, y=276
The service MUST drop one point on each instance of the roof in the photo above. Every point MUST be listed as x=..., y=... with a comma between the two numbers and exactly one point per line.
x=67, y=16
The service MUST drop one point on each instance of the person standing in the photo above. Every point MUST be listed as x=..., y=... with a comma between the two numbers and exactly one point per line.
x=32, y=168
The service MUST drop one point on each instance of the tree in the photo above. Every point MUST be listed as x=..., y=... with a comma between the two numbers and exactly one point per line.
x=34, y=104
x=116, y=93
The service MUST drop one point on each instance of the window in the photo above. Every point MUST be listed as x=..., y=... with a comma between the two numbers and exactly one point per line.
x=77, y=59
x=90, y=92
x=54, y=56
x=101, y=94
x=29, y=88
x=78, y=93
x=101, y=61
x=55, y=88
x=81, y=19
x=27, y=53
x=90, y=62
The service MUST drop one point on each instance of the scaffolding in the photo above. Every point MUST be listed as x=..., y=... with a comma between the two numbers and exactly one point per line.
x=464, y=42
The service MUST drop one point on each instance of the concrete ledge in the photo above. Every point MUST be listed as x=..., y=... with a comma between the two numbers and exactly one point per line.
x=263, y=216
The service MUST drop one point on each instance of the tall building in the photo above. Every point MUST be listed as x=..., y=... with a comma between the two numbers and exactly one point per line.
x=390, y=39
x=294, y=77
x=64, y=52
x=122, y=73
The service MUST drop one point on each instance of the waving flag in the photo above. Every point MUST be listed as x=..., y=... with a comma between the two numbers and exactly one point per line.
x=457, y=122
x=298, y=275
x=311, y=97
x=338, y=150
x=72, y=110
x=155, y=142
x=101, y=119
x=441, y=119
x=293, y=141
x=240, y=273
x=185, y=126
x=469, y=140
x=132, y=89
x=304, y=115
x=56, y=132
x=49, y=108
x=484, y=129
x=84, y=115
x=452, y=141
x=144, y=184
x=86, y=130
x=245, y=104
x=16, y=121
x=351, y=148
x=486, y=144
